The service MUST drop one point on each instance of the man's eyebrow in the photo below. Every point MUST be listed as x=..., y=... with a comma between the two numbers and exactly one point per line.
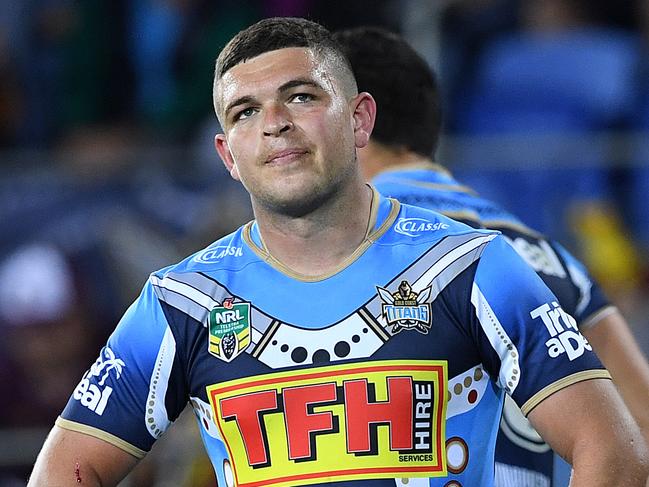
x=299, y=82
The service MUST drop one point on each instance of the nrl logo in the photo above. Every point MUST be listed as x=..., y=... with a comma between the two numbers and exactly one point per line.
x=406, y=309
x=229, y=328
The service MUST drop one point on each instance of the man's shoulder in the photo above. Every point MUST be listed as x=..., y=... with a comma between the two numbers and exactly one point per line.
x=227, y=252
x=421, y=224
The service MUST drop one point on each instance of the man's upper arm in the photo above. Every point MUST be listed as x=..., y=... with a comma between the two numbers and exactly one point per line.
x=528, y=343
x=133, y=392
x=549, y=370
x=71, y=458
x=603, y=433
x=123, y=403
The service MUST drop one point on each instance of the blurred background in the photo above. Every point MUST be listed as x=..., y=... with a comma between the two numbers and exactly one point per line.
x=108, y=172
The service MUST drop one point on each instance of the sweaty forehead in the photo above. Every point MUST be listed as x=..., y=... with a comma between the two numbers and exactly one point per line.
x=268, y=71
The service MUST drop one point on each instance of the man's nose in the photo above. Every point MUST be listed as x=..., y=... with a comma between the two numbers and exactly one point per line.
x=276, y=121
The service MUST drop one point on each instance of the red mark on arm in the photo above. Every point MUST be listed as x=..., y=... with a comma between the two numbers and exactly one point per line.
x=77, y=472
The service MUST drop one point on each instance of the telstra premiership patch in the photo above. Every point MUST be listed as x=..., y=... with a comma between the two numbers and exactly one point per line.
x=229, y=328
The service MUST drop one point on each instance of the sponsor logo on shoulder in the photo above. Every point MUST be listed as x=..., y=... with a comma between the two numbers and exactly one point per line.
x=564, y=335
x=214, y=254
x=406, y=309
x=415, y=227
x=94, y=395
x=229, y=328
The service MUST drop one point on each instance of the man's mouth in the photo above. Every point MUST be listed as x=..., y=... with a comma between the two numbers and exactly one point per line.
x=285, y=156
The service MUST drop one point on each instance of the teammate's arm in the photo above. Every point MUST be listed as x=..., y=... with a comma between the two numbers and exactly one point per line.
x=72, y=458
x=602, y=443
x=616, y=347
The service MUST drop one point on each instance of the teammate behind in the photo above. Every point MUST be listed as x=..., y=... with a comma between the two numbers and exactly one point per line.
x=398, y=161
x=320, y=344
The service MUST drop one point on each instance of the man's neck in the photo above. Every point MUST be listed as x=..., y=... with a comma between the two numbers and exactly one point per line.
x=316, y=244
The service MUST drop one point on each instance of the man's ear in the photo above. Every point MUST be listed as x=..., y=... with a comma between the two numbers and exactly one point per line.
x=223, y=150
x=364, y=113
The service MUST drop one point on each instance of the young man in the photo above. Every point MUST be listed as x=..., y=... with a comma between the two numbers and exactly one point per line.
x=398, y=160
x=321, y=343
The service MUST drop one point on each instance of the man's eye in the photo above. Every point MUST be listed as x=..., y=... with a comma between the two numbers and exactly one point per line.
x=245, y=113
x=302, y=98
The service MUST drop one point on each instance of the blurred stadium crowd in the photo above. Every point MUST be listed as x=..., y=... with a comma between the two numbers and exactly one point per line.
x=107, y=168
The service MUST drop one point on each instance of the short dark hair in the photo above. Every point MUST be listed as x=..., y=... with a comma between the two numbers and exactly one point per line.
x=401, y=82
x=280, y=33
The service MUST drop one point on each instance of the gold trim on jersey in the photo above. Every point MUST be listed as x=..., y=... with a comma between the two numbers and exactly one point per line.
x=547, y=391
x=102, y=435
x=371, y=235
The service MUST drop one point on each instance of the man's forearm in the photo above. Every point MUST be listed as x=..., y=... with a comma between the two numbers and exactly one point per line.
x=48, y=474
x=70, y=458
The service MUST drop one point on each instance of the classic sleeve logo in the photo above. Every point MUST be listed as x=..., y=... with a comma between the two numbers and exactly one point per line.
x=357, y=421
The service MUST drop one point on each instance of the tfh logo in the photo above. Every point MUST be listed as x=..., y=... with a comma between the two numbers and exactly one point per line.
x=336, y=422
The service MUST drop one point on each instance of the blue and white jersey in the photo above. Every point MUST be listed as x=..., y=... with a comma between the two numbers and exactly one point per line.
x=394, y=366
x=430, y=186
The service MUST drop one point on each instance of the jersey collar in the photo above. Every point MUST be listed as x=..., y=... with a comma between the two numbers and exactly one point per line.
x=383, y=213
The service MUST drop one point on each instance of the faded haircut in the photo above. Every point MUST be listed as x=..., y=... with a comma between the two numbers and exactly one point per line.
x=280, y=33
x=403, y=85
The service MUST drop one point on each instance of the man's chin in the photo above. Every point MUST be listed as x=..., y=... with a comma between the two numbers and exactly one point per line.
x=298, y=203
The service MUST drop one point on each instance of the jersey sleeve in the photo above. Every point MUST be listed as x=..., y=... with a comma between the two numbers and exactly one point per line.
x=130, y=396
x=593, y=303
x=530, y=345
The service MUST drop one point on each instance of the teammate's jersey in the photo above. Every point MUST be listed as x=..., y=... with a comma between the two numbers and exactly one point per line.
x=392, y=367
x=430, y=186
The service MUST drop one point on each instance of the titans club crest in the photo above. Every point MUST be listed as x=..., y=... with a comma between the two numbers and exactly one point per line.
x=406, y=309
